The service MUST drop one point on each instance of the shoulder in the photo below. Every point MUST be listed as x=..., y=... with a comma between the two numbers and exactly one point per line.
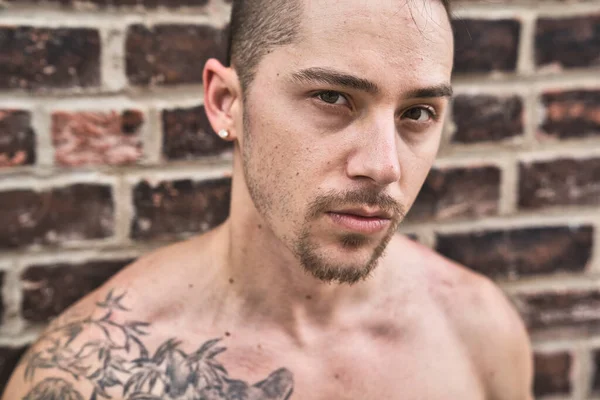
x=487, y=324
x=87, y=352
x=74, y=357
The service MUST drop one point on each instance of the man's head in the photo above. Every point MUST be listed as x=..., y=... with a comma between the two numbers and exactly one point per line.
x=336, y=109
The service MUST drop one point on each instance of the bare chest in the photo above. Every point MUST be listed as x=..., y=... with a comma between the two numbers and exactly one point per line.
x=429, y=369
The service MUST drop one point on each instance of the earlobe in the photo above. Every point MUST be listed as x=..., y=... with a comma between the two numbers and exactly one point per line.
x=220, y=93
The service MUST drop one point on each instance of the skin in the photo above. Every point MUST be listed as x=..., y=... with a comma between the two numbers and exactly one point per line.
x=405, y=324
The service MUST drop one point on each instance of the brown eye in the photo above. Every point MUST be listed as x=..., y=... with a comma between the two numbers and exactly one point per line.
x=419, y=114
x=331, y=97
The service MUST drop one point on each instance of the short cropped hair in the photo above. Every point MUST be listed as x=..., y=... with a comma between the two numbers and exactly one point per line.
x=258, y=26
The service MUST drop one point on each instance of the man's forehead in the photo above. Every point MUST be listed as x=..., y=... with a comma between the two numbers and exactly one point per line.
x=400, y=11
x=384, y=41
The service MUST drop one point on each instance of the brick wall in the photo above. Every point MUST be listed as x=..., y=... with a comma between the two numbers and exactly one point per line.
x=105, y=153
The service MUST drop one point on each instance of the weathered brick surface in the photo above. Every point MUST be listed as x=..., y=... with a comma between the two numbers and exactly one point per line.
x=596, y=378
x=571, y=114
x=120, y=3
x=460, y=192
x=187, y=134
x=171, y=54
x=50, y=289
x=88, y=138
x=17, y=138
x=561, y=308
x=559, y=182
x=41, y=58
x=568, y=42
x=170, y=209
x=9, y=357
x=1, y=297
x=552, y=373
x=484, y=118
x=486, y=45
x=76, y=212
x=514, y=253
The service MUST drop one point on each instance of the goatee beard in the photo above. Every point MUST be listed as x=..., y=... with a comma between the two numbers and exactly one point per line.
x=318, y=265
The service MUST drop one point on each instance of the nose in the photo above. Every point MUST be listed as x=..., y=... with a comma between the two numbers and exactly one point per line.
x=376, y=155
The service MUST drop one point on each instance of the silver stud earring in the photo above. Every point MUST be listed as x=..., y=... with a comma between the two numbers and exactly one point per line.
x=224, y=134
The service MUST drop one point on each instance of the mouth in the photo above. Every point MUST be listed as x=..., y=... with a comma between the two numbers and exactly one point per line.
x=361, y=220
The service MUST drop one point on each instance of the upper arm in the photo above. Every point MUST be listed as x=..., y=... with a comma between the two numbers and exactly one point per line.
x=46, y=385
x=77, y=357
x=501, y=347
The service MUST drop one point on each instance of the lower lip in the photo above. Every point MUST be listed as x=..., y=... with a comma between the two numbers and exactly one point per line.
x=358, y=224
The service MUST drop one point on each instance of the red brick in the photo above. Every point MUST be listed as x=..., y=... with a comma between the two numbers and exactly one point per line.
x=458, y=192
x=486, y=45
x=171, y=54
x=50, y=289
x=559, y=182
x=17, y=138
x=187, y=134
x=43, y=58
x=552, y=373
x=561, y=309
x=173, y=209
x=76, y=212
x=568, y=42
x=485, y=118
x=9, y=358
x=119, y=3
x=93, y=138
x=571, y=114
x=521, y=252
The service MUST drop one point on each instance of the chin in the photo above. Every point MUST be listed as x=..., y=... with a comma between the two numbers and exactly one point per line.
x=348, y=261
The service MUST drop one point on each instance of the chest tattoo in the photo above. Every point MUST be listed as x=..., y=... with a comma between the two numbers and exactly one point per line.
x=118, y=364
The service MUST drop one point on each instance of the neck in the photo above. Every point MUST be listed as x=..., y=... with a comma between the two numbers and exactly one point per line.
x=266, y=282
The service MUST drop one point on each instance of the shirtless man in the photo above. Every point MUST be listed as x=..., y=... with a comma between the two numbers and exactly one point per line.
x=336, y=111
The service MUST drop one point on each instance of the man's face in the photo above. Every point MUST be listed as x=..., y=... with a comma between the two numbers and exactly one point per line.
x=342, y=127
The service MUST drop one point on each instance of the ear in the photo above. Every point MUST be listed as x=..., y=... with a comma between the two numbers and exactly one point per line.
x=221, y=92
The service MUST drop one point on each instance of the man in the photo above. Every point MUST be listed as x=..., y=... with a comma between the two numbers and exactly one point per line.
x=336, y=111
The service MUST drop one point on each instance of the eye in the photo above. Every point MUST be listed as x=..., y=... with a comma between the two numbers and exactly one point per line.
x=331, y=97
x=420, y=114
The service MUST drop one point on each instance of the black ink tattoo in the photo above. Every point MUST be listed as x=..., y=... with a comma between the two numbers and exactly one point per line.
x=120, y=363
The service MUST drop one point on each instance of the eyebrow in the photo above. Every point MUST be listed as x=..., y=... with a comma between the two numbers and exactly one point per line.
x=442, y=90
x=332, y=77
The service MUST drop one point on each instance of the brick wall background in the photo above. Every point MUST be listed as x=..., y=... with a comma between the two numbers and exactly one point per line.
x=105, y=153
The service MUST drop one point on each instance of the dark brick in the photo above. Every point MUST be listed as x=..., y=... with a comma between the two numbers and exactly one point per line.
x=571, y=114
x=41, y=58
x=561, y=309
x=119, y=3
x=1, y=297
x=9, y=358
x=172, y=209
x=76, y=212
x=486, y=45
x=568, y=42
x=521, y=252
x=188, y=135
x=17, y=139
x=552, y=373
x=50, y=289
x=460, y=192
x=97, y=138
x=559, y=182
x=596, y=377
x=486, y=118
x=171, y=54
